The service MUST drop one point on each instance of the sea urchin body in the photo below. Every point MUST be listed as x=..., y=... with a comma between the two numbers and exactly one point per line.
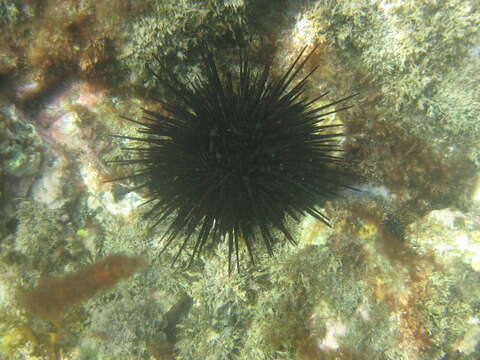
x=235, y=154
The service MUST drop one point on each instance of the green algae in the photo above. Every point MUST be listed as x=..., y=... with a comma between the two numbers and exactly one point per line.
x=420, y=57
x=8, y=12
x=174, y=30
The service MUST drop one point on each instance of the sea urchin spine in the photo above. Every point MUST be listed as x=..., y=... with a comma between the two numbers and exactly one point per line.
x=237, y=153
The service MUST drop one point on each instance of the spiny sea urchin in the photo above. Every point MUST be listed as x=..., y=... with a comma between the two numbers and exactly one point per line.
x=237, y=153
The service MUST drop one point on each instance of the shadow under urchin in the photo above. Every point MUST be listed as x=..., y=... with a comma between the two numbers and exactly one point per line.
x=235, y=154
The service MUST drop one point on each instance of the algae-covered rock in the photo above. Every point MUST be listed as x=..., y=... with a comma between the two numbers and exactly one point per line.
x=397, y=275
x=422, y=56
x=175, y=29
x=8, y=12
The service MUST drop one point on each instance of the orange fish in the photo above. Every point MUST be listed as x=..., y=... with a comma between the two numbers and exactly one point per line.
x=53, y=295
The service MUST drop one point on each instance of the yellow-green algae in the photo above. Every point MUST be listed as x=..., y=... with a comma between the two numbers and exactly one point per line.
x=421, y=55
x=374, y=285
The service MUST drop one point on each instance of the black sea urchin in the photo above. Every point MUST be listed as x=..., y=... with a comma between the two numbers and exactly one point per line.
x=237, y=153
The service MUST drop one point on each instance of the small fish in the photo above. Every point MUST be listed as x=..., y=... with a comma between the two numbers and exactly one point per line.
x=53, y=295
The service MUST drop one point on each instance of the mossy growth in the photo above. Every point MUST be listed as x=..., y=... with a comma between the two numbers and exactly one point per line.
x=324, y=294
x=422, y=59
x=43, y=242
x=284, y=311
x=8, y=12
x=20, y=153
x=23, y=335
x=44, y=248
x=128, y=328
x=347, y=297
x=40, y=243
x=449, y=310
x=173, y=30
x=214, y=328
